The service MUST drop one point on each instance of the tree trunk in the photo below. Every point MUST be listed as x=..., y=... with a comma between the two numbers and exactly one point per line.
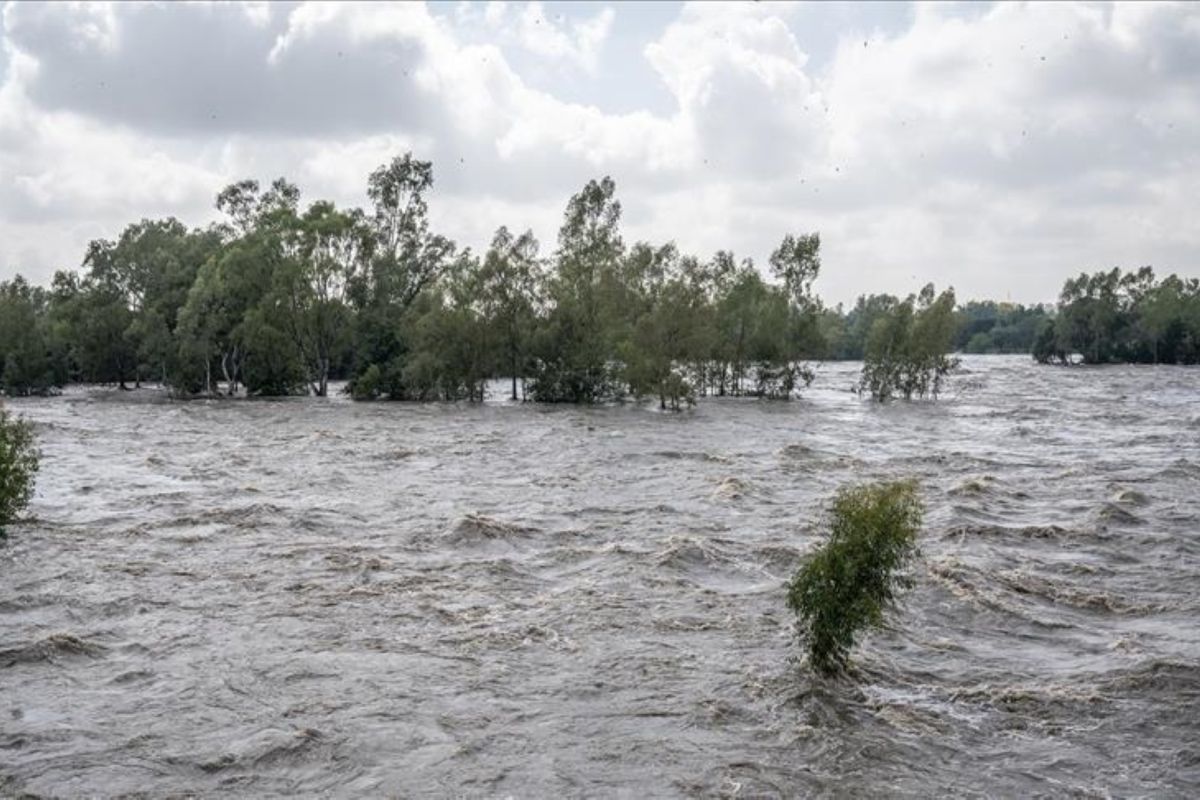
x=225, y=372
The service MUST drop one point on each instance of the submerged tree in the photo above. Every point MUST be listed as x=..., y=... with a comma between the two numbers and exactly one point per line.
x=508, y=286
x=232, y=325
x=451, y=350
x=666, y=333
x=18, y=466
x=572, y=357
x=33, y=360
x=405, y=258
x=1115, y=317
x=280, y=300
x=852, y=581
x=324, y=253
x=1047, y=345
x=149, y=269
x=908, y=347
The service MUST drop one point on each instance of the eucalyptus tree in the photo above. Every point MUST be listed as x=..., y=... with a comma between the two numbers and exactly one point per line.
x=508, y=287
x=1090, y=315
x=695, y=275
x=452, y=352
x=152, y=265
x=61, y=312
x=752, y=320
x=908, y=347
x=404, y=259
x=1110, y=316
x=573, y=361
x=667, y=339
x=797, y=264
x=1048, y=346
x=251, y=209
x=710, y=281
x=91, y=320
x=231, y=316
x=1170, y=318
x=31, y=361
x=323, y=253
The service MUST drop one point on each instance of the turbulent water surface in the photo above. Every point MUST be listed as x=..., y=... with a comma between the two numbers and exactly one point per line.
x=316, y=596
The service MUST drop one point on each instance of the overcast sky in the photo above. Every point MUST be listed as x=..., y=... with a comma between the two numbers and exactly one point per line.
x=998, y=149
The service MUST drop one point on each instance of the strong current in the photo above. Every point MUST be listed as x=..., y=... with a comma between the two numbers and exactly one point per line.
x=323, y=597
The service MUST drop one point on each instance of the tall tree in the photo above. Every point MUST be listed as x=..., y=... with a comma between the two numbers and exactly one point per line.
x=324, y=252
x=508, y=289
x=405, y=258
x=572, y=361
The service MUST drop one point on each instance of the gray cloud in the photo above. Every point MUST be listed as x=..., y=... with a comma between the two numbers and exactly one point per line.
x=202, y=70
x=998, y=148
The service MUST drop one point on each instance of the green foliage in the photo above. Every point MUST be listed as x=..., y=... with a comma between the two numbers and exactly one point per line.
x=572, y=353
x=797, y=262
x=143, y=278
x=665, y=335
x=452, y=348
x=508, y=294
x=907, y=350
x=322, y=254
x=1115, y=317
x=18, y=466
x=991, y=327
x=845, y=336
x=271, y=367
x=401, y=259
x=33, y=359
x=1047, y=346
x=851, y=582
x=277, y=299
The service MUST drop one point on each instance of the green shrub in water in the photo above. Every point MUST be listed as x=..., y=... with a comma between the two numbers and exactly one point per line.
x=18, y=464
x=851, y=582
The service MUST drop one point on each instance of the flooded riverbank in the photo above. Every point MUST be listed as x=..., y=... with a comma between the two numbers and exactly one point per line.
x=317, y=596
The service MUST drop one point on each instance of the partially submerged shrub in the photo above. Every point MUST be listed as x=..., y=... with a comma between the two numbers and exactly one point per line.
x=367, y=386
x=907, y=349
x=18, y=464
x=851, y=582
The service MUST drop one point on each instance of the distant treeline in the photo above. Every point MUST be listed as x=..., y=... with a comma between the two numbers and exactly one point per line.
x=278, y=299
x=980, y=327
x=1115, y=317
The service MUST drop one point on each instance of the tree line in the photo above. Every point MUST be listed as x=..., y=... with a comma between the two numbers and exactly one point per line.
x=281, y=298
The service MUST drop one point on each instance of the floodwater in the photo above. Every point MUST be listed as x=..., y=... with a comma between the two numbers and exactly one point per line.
x=321, y=597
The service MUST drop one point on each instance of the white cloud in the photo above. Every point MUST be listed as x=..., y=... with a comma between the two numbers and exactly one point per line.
x=540, y=35
x=560, y=42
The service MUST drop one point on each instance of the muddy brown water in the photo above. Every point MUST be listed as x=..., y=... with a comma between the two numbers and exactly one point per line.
x=317, y=597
